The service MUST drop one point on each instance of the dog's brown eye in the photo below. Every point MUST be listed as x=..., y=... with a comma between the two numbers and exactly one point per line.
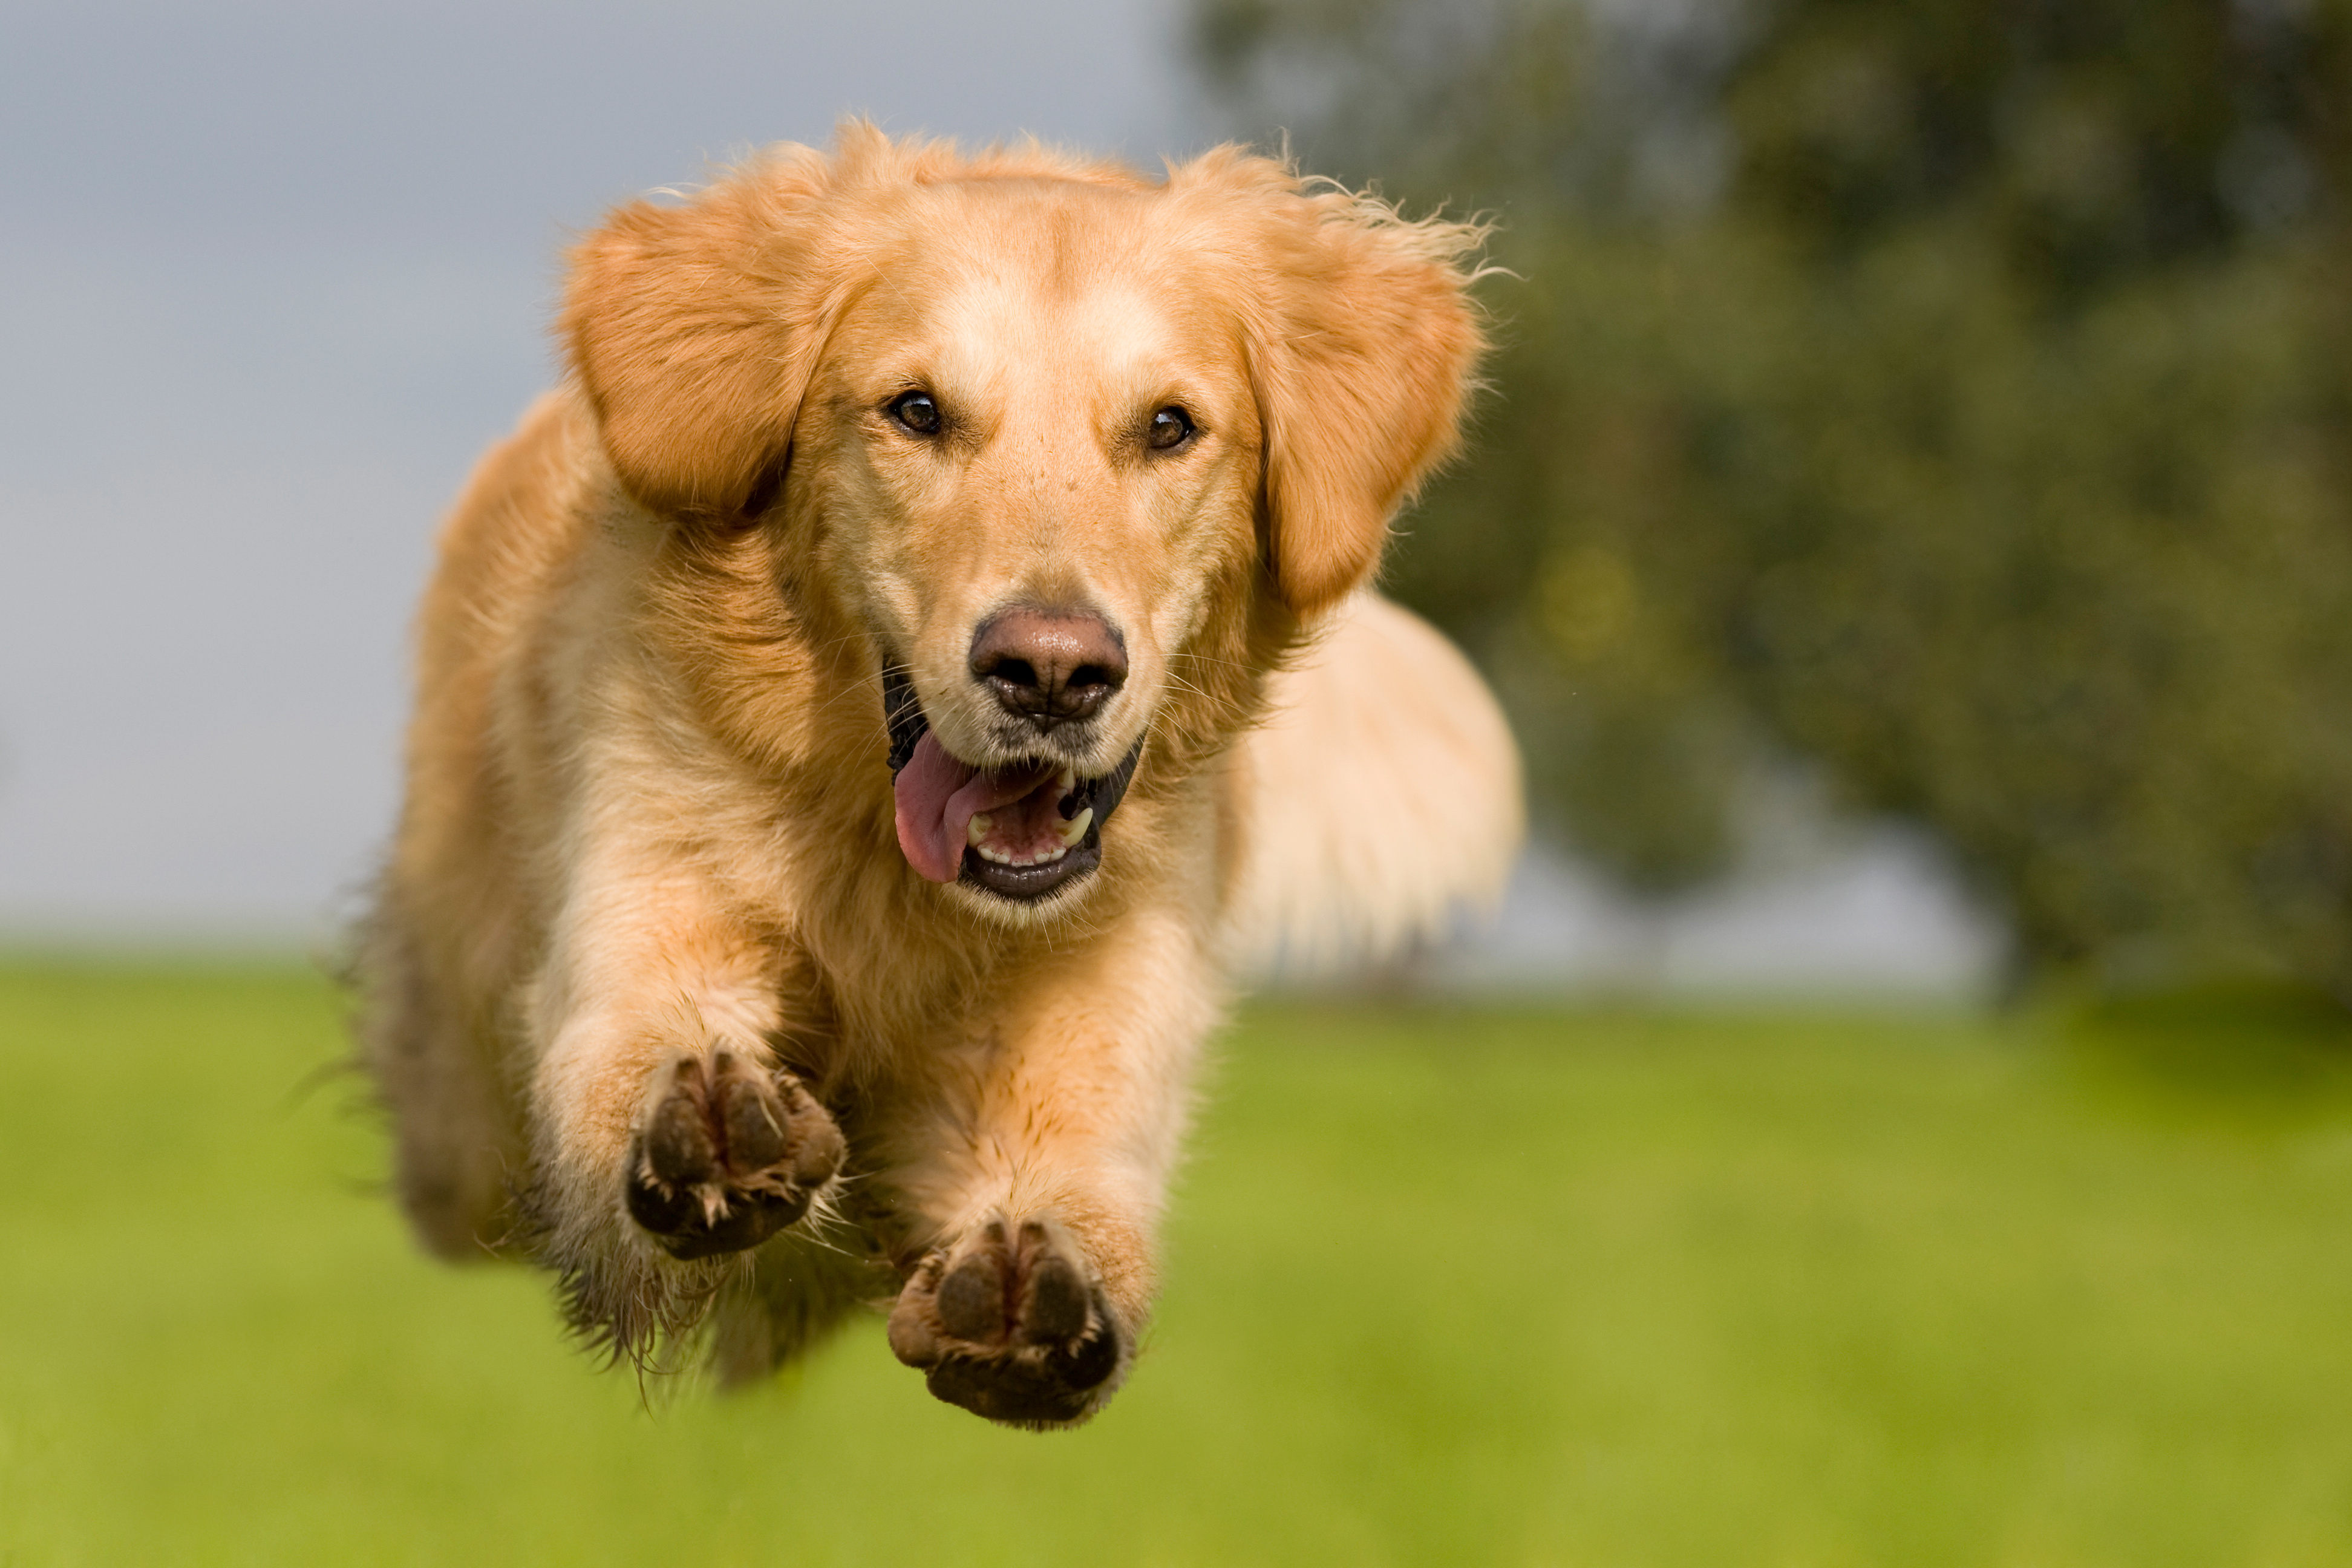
x=1171, y=427
x=916, y=412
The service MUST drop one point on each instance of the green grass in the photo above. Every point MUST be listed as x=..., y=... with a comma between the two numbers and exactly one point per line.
x=1443, y=1289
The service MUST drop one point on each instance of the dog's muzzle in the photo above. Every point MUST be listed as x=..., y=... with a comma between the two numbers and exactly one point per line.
x=1021, y=832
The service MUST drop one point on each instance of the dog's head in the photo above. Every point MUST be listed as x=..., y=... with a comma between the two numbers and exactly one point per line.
x=1053, y=444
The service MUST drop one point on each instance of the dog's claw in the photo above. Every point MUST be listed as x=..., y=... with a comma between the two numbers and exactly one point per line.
x=1011, y=1326
x=730, y=1154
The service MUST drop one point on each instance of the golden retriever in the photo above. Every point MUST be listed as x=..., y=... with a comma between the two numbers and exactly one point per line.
x=865, y=712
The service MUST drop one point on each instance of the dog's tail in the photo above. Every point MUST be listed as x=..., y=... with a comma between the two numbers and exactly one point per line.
x=1379, y=798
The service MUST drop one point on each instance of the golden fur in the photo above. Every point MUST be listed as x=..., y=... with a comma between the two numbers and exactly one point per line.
x=648, y=841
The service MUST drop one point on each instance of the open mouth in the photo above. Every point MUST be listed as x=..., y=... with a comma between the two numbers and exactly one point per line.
x=1020, y=831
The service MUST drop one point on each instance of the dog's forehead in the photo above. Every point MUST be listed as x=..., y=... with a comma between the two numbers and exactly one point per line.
x=1031, y=271
x=1058, y=231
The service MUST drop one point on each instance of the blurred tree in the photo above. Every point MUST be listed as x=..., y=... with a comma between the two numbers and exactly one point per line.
x=1950, y=391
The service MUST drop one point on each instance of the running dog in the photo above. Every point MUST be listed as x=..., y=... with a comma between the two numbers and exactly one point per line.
x=866, y=712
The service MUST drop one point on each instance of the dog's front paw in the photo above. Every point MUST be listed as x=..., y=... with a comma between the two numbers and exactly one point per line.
x=731, y=1153
x=1010, y=1325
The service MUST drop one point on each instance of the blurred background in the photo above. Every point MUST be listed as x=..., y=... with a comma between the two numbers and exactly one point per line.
x=274, y=273
x=281, y=272
x=1906, y=524
x=1902, y=1111
x=1931, y=413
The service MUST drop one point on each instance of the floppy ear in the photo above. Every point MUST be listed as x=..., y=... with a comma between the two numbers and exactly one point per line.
x=692, y=329
x=1362, y=372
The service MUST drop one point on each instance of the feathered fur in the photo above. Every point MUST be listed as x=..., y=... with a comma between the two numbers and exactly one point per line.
x=648, y=816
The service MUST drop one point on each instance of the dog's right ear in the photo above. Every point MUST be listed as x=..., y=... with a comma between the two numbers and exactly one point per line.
x=693, y=330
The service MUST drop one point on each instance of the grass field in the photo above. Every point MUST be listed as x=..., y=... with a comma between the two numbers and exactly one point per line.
x=1446, y=1287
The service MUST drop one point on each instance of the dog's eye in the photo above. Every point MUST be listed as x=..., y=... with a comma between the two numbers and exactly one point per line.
x=1171, y=427
x=916, y=412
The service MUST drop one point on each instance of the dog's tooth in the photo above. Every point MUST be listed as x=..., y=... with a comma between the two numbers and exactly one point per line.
x=1076, y=828
x=977, y=829
x=1066, y=781
x=1050, y=856
x=989, y=853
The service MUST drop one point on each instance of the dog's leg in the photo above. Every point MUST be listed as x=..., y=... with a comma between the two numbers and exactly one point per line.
x=668, y=1137
x=457, y=1141
x=1029, y=1195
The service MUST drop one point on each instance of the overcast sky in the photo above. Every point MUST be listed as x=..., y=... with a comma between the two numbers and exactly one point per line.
x=271, y=276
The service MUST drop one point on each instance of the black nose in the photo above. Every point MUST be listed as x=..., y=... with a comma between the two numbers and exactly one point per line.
x=1049, y=666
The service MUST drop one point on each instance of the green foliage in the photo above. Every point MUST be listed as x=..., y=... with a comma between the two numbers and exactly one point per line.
x=1953, y=393
x=1443, y=1288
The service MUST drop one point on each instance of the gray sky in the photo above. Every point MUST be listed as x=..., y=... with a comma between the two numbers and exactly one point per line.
x=271, y=276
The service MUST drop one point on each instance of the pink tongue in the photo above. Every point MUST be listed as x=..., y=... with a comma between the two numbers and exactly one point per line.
x=939, y=796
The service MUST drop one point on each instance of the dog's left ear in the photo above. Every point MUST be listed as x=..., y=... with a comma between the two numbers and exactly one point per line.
x=1362, y=366
x=692, y=331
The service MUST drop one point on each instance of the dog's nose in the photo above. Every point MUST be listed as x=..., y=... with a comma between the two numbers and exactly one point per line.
x=1049, y=666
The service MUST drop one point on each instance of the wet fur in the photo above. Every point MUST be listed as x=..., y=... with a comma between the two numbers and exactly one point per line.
x=649, y=811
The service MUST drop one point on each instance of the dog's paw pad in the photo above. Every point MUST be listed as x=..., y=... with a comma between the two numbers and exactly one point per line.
x=1012, y=1325
x=730, y=1155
